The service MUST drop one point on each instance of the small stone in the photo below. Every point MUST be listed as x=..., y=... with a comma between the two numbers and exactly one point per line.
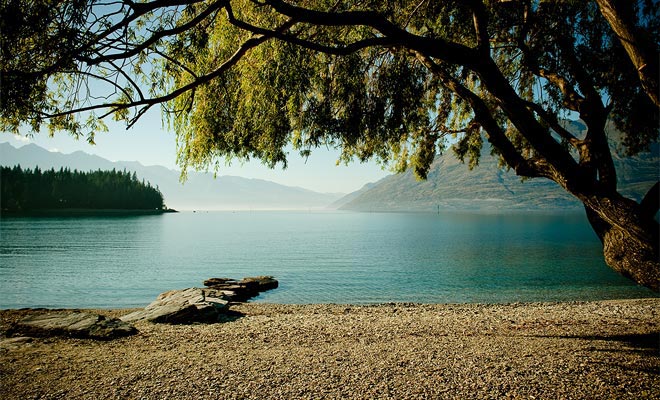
x=15, y=342
x=218, y=281
x=263, y=282
x=240, y=291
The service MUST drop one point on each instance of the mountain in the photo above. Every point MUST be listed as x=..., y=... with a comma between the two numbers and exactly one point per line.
x=452, y=186
x=351, y=196
x=200, y=191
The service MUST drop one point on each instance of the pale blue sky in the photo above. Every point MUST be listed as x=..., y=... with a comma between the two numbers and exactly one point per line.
x=150, y=144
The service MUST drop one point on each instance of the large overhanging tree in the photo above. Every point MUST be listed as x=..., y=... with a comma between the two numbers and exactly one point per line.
x=241, y=79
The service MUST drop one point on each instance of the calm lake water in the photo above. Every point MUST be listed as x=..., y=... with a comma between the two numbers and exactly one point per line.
x=318, y=257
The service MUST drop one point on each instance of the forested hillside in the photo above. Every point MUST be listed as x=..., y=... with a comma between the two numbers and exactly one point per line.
x=202, y=190
x=33, y=189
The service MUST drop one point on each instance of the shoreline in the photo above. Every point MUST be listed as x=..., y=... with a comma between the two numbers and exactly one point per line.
x=590, y=349
x=83, y=212
x=120, y=310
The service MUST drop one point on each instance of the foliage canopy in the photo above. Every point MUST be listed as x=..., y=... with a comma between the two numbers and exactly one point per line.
x=242, y=79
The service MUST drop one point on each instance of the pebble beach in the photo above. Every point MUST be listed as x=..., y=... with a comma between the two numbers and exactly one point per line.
x=575, y=350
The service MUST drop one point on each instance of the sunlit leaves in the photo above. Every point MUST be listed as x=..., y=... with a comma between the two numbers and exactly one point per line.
x=35, y=36
x=301, y=87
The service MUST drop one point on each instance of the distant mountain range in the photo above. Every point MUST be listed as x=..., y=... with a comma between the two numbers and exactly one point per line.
x=201, y=191
x=452, y=186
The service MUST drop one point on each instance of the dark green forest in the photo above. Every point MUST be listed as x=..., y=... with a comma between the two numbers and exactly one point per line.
x=23, y=190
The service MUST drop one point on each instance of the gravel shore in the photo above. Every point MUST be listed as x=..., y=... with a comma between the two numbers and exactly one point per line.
x=586, y=350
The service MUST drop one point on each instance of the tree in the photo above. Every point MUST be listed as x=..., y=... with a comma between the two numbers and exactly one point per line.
x=393, y=81
x=27, y=190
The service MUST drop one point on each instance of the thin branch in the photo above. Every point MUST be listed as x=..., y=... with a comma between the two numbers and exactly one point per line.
x=583, y=79
x=158, y=35
x=139, y=10
x=176, y=62
x=596, y=150
x=138, y=115
x=412, y=14
x=129, y=80
x=572, y=99
x=480, y=22
x=551, y=119
x=99, y=77
x=202, y=80
x=483, y=116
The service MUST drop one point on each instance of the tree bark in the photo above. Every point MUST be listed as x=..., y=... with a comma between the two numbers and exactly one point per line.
x=632, y=248
x=640, y=49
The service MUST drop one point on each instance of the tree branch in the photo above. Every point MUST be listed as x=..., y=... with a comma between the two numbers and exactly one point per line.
x=412, y=14
x=572, y=100
x=480, y=22
x=594, y=151
x=450, y=52
x=202, y=80
x=515, y=108
x=158, y=35
x=139, y=10
x=129, y=80
x=483, y=116
x=551, y=119
x=176, y=62
x=643, y=52
x=100, y=78
x=308, y=44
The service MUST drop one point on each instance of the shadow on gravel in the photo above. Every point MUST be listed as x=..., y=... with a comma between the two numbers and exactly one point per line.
x=640, y=341
x=230, y=316
x=644, y=343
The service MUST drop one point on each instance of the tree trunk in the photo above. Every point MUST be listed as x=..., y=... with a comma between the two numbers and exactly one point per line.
x=632, y=249
x=641, y=50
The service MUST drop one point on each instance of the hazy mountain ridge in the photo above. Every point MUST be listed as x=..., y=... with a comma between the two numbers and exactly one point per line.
x=452, y=186
x=200, y=191
x=351, y=196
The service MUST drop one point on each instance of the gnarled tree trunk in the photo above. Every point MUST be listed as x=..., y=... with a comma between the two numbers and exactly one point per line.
x=630, y=238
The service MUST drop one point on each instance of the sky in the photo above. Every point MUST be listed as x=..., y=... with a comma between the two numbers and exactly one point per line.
x=150, y=144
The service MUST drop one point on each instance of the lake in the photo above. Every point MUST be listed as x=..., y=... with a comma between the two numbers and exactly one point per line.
x=318, y=257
